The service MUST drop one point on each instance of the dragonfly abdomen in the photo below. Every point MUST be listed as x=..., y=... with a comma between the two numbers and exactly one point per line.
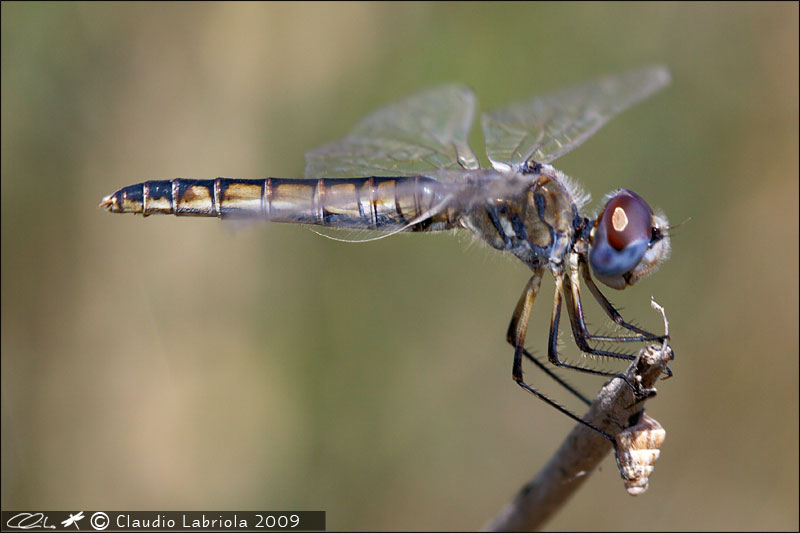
x=377, y=203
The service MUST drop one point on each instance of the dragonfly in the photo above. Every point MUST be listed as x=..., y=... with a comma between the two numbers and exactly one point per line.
x=408, y=167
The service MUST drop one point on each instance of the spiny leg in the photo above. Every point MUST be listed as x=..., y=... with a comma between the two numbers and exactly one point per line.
x=519, y=325
x=579, y=329
x=576, y=264
x=517, y=330
x=552, y=345
x=572, y=296
x=555, y=377
x=609, y=309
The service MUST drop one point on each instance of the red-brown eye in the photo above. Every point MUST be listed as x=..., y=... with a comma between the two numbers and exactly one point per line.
x=626, y=218
x=621, y=237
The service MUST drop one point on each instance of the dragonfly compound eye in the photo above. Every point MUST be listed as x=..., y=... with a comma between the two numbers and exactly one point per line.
x=621, y=236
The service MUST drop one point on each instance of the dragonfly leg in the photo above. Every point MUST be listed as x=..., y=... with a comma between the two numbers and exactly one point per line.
x=572, y=295
x=552, y=344
x=517, y=330
x=518, y=327
x=573, y=303
x=555, y=377
x=577, y=264
x=609, y=309
x=579, y=325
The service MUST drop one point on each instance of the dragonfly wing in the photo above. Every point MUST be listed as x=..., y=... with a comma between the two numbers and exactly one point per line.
x=416, y=136
x=547, y=127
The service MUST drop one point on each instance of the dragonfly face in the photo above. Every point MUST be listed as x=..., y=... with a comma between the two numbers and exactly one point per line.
x=628, y=241
x=408, y=167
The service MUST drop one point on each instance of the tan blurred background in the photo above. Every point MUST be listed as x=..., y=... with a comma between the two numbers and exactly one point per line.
x=186, y=364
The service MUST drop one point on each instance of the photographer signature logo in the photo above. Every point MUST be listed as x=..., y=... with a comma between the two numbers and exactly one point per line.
x=29, y=521
x=39, y=520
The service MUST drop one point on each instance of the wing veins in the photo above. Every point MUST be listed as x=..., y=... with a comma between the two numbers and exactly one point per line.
x=550, y=126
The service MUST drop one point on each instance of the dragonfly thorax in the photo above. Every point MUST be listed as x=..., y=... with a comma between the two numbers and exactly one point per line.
x=538, y=225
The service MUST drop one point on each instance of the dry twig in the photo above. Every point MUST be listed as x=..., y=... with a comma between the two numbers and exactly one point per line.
x=614, y=410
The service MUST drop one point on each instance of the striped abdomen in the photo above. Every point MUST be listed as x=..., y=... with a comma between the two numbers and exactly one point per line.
x=360, y=203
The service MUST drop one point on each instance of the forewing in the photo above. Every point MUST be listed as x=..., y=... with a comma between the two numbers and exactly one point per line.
x=416, y=136
x=547, y=127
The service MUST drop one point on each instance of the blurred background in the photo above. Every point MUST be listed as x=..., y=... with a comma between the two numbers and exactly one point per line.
x=187, y=364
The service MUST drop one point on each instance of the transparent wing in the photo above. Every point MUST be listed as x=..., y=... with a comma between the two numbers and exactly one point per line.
x=547, y=127
x=416, y=136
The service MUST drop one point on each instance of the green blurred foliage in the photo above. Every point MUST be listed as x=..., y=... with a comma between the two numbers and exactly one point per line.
x=181, y=363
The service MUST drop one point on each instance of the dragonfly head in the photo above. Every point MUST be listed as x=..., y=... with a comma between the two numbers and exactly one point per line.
x=628, y=241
